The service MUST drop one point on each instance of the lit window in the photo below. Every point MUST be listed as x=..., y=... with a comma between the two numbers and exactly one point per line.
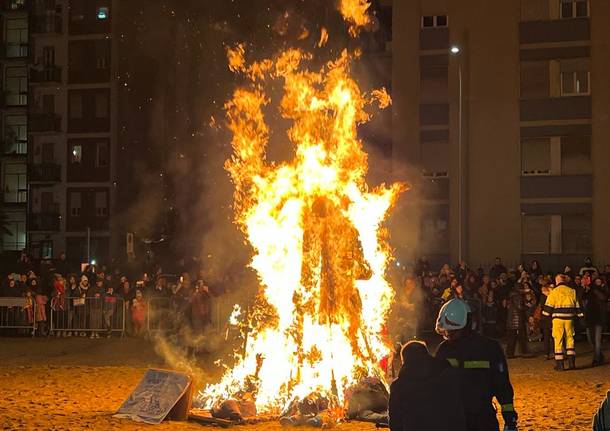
x=76, y=154
x=432, y=21
x=102, y=13
x=574, y=8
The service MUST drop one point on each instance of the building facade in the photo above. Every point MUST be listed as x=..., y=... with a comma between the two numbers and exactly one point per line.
x=503, y=109
x=58, y=127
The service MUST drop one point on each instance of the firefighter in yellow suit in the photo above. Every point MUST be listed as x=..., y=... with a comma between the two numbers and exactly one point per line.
x=563, y=307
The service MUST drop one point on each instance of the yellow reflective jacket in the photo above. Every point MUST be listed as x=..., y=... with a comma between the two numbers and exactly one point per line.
x=562, y=303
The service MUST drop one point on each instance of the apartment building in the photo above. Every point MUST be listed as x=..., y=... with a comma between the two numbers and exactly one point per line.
x=504, y=110
x=58, y=127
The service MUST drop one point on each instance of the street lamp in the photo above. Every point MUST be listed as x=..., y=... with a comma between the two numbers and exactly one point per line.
x=455, y=51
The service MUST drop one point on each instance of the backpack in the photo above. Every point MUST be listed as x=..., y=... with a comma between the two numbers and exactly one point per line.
x=601, y=420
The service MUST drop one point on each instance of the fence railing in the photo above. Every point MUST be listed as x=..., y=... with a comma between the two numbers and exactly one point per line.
x=87, y=314
x=18, y=313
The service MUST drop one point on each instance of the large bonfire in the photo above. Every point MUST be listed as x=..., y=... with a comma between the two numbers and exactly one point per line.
x=320, y=251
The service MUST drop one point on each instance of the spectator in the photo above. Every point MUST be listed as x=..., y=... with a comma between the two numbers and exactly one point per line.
x=96, y=303
x=497, y=269
x=58, y=305
x=546, y=323
x=138, y=313
x=535, y=271
x=61, y=266
x=490, y=315
x=41, y=299
x=127, y=294
x=200, y=307
x=78, y=292
x=110, y=302
x=596, y=296
x=516, y=325
x=588, y=267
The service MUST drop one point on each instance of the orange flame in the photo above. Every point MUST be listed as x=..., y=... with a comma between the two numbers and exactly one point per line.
x=356, y=13
x=315, y=227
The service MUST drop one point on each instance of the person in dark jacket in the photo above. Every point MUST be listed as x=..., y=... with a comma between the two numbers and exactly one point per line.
x=596, y=300
x=516, y=324
x=482, y=368
x=426, y=394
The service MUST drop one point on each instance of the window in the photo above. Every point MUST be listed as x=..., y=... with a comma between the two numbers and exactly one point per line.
x=16, y=86
x=46, y=249
x=76, y=106
x=16, y=37
x=574, y=8
x=576, y=155
x=76, y=154
x=14, y=238
x=101, y=204
x=75, y=204
x=574, y=83
x=535, y=79
x=536, y=234
x=102, y=53
x=15, y=134
x=435, y=159
x=536, y=156
x=576, y=233
x=434, y=231
x=432, y=21
x=14, y=182
x=77, y=10
x=102, y=13
x=103, y=154
x=101, y=105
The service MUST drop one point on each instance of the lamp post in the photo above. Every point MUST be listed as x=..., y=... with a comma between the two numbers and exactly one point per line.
x=455, y=51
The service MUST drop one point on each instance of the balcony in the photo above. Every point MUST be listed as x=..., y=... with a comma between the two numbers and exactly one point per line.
x=43, y=24
x=15, y=147
x=15, y=50
x=15, y=196
x=44, y=123
x=11, y=99
x=51, y=74
x=44, y=172
x=45, y=221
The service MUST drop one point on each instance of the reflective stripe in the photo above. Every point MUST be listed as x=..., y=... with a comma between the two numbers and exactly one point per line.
x=507, y=408
x=454, y=362
x=477, y=364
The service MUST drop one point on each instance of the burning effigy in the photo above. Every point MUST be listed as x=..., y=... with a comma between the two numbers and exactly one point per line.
x=316, y=326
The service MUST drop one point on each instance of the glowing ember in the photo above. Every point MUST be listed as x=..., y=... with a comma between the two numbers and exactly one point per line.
x=315, y=227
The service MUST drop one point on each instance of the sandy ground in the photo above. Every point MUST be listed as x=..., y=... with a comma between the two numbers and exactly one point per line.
x=77, y=384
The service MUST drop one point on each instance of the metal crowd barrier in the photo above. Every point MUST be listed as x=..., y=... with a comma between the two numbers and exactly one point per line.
x=160, y=316
x=18, y=313
x=88, y=314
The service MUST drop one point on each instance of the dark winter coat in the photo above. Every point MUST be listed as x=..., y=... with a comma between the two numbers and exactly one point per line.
x=596, y=309
x=426, y=396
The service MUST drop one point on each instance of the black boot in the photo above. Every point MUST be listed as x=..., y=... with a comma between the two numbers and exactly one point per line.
x=558, y=365
x=571, y=362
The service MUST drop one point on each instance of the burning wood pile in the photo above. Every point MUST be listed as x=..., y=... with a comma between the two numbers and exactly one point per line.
x=316, y=328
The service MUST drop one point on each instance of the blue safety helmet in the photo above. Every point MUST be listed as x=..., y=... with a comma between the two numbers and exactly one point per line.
x=452, y=316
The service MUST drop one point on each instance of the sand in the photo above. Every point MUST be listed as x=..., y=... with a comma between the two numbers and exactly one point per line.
x=77, y=384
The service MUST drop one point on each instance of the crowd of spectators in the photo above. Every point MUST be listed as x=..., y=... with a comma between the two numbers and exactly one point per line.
x=85, y=300
x=506, y=303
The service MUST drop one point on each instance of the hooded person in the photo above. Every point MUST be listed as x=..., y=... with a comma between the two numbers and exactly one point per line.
x=426, y=395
